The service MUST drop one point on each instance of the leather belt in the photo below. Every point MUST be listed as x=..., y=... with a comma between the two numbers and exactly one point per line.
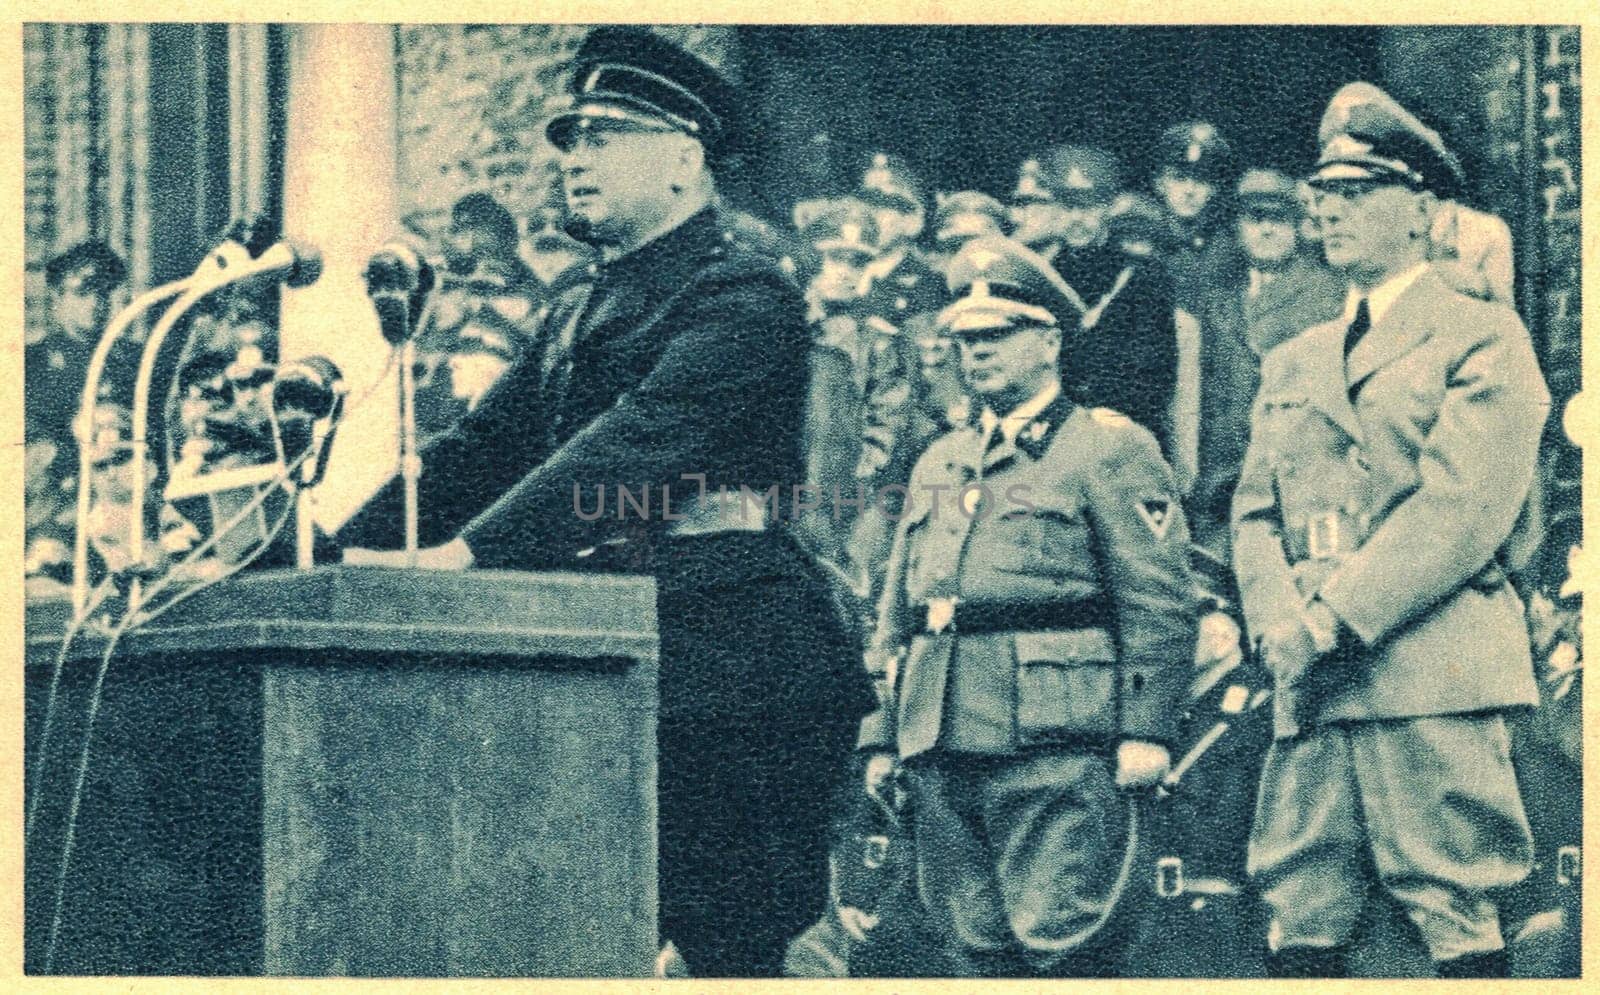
x=718, y=511
x=978, y=617
x=1329, y=534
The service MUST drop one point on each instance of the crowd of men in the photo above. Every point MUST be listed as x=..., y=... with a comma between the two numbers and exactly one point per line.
x=1275, y=443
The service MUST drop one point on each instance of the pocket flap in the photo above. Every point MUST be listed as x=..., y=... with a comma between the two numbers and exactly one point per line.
x=1066, y=647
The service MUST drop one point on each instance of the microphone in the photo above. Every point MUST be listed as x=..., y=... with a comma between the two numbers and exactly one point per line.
x=399, y=279
x=295, y=264
x=306, y=399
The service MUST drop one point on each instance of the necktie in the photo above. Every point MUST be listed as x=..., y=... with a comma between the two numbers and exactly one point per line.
x=1359, y=327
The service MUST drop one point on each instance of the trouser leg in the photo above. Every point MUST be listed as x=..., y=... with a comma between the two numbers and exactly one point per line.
x=1308, y=852
x=1447, y=828
x=955, y=873
x=743, y=849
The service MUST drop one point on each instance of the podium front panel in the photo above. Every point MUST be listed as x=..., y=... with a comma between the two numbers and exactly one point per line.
x=362, y=772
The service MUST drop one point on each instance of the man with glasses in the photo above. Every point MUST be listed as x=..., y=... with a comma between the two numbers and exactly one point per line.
x=687, y=369
x=1382, y=504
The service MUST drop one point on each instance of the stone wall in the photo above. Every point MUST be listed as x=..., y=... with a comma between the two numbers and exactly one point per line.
x=473, y=98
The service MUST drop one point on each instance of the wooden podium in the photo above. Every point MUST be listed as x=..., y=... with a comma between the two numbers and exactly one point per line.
x=357, y=772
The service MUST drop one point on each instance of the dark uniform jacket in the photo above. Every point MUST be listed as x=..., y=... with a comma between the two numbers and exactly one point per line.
x=688, y=358
x=1095, y=577
x=1125, y=356
x=1404, y=510
x=1235, y=332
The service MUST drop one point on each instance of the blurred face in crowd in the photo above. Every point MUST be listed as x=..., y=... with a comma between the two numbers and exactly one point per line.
x=1083, y=225
x=1035, y=223
x=896, y=225
x=1185, y=196
x=623, y=178
x=839, y=279
x=934, y=348
x=1268, y=239
x=1371, y=230
x=1007, y=366
x=78, y=310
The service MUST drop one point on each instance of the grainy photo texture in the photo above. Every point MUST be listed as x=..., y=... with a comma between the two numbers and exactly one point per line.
x=735, y=501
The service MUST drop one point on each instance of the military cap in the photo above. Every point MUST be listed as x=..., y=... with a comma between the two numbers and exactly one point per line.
x=633, y=74
x=1196, y=148
x=967, y=214
x=1136, y=218
x=889, y=181
x=998, y=284
x=88, y=267
x=1081, y=175
x=848, y=227
x=1268, y=193
x=1031, y=188
x=1365, y=134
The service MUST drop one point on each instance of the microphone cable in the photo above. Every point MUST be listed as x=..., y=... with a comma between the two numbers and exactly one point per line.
x=74, y=627
x=129, y=622
x=136, y=617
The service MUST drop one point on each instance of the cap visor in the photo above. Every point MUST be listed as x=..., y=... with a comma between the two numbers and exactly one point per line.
x=1347, y=169
x=968, y=226
x=987, y=314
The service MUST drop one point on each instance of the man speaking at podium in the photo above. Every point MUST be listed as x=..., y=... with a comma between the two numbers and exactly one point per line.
x=686, y=369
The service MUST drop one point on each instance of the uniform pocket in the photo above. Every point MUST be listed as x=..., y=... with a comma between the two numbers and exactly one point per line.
x=1066, y=685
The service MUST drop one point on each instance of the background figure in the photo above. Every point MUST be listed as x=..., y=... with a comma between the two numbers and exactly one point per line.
x=1195, y=173
x=1472, y=250
x=1270, y=287
x=1382, y=504
x=486, y=291
x=899, y=288
x=844, y=240
x=1031, y=210
x=1120, y=350
x=84, y=284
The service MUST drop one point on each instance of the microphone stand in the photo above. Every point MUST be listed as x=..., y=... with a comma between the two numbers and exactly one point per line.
x=83, y=429
x=410, y=456
x=218, y=261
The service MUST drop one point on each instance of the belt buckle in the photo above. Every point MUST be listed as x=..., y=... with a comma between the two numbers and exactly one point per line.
x=941, y=614
x=1169, y=877
x=1322, y=535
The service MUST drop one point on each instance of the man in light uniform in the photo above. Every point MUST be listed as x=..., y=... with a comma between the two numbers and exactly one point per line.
x=1036, y=630
x=1381, y=506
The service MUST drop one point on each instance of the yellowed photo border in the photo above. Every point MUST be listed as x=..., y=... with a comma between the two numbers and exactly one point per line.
x=1583, y=422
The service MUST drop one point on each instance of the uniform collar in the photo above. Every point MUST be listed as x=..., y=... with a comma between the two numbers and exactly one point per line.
x=1018, y=419
x=665, y=257
x=1383, y=296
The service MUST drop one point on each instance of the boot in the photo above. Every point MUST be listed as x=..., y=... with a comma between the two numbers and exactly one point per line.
x=1494, y=964
x=1307, y=962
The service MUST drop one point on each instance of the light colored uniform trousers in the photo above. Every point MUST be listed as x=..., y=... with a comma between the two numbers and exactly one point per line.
x=1430, y=806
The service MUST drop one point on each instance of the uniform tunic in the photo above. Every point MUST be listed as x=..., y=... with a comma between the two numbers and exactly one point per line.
x=1396, y=488
x=1081, y=543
